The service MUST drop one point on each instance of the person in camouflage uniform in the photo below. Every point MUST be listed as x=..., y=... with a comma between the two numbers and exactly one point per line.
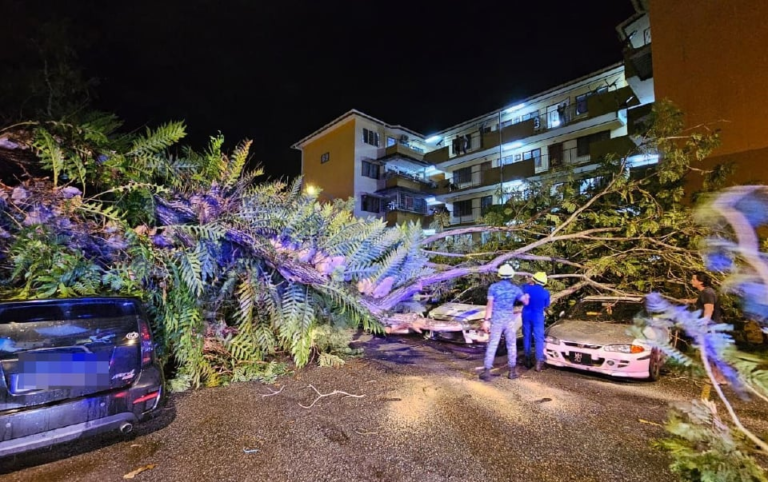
x=502, y=317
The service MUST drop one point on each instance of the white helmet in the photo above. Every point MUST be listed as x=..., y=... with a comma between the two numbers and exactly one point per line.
x=506, y=271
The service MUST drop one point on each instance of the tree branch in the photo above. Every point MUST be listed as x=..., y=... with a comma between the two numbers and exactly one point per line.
x=705, y=360
x=527, y=257
x=406, y=292
x=323, y=395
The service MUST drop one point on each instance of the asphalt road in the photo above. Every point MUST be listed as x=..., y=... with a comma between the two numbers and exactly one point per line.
x=423, y=416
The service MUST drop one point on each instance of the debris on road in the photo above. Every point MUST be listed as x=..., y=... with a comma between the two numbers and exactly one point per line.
x=321, y=395
x=273, y=393
x=136, y=472
x=250, y=451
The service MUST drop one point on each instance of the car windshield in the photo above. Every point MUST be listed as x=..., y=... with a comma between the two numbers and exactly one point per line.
x=79, y=325
x=621, y=312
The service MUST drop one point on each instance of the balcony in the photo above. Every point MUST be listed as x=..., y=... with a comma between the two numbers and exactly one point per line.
x=639, y=119
x=400, y=179
x=403, y=151
x=510, y=132
x=394, y=218
x=618, y=147
x=469, y=217
x=638, y=62
x=479, y=177
x=437, y=156
x=597, y=105
x=611, y=101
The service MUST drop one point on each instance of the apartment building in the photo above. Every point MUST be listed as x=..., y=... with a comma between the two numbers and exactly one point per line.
x=709, y=59
x=400, y=175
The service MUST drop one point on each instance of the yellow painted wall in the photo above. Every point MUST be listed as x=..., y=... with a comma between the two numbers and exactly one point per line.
x=335, y=177
x=710, y=57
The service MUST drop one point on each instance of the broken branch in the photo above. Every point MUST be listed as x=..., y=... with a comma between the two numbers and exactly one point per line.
x=323, y=395
x=273, y=393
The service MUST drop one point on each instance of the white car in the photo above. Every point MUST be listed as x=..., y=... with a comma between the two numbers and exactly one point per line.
x=594, y=335
x=457, y=322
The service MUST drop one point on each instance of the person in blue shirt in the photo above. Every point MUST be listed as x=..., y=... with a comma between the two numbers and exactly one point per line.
x=500, y=318
x=533, y=318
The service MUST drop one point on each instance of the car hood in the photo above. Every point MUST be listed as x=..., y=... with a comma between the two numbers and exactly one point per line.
x=461, y=312
x=591, y=332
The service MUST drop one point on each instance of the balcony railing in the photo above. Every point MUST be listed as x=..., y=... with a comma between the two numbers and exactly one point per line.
x=639, y=62
x=406, y=203
x=479, y=177
x=479, y=139
x=467, y=217
x=397, y=178
x=403, y=150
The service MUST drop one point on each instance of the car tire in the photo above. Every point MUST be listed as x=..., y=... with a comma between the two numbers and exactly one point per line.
x=655, y=364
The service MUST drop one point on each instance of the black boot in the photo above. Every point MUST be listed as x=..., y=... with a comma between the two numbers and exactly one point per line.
x=528, y=362
x=539, y=365
x=485, y=375
x=512, y=373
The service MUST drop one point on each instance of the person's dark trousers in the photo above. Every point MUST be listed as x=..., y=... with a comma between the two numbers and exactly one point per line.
x=533, y=325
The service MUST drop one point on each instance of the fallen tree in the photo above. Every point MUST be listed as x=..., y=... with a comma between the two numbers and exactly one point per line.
x=235, y=271
x=625, y=230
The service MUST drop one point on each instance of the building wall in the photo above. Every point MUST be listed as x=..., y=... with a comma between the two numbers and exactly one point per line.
x=711, y=59
x=334, y=177
x=363, y=151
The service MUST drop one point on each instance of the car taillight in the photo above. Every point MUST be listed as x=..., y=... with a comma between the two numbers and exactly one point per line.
x=147, y=349
x=148, y=396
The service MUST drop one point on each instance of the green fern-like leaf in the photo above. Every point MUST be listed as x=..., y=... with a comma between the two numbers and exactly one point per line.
x=153, y=142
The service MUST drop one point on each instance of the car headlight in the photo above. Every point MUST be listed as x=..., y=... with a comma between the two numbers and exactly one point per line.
x=624, y=348
x=552, y=340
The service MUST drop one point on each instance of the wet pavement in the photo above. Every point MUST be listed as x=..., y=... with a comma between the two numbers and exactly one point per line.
x=423, y=416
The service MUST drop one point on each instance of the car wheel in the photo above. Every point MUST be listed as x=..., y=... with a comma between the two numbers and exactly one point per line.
x=654, y=367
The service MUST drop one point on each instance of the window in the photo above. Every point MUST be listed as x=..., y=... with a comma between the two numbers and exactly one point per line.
x=462, y=208
x=582, y=146
x=370, y=170
x=590, y=184
x=462, y=176
x=581, y=104
x=325, y=157
x=391, y=141
x=534, y=154
x=371, y=204
x=485, y=203
x=371, y=137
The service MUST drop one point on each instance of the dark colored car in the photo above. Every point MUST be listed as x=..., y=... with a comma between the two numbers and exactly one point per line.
x=71, y=368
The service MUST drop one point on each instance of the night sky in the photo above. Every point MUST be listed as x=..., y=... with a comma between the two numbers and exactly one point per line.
x=276, y=71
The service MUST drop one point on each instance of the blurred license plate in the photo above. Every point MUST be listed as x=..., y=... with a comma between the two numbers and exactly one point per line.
x=45, y=371
x=581, y=358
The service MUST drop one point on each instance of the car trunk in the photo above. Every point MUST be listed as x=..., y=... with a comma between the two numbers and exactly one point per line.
x=55, y=350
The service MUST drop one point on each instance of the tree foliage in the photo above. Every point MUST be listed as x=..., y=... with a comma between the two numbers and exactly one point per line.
x=705, y=447
x=618, y=228
x=234, y=272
